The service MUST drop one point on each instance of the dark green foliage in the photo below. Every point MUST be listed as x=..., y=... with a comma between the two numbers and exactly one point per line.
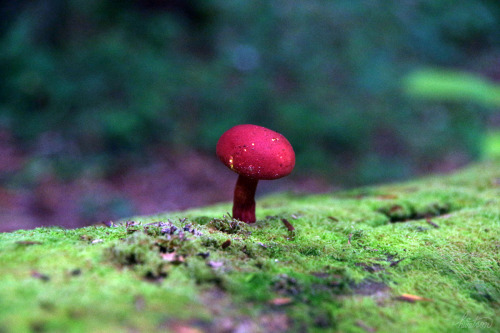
x=99, y=77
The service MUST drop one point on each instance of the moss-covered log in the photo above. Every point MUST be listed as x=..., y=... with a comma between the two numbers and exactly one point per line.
x=420, y=256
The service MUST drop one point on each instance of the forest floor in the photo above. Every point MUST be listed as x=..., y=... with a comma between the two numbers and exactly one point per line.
x=418, y=256
x=33, y=194
x=167, y=182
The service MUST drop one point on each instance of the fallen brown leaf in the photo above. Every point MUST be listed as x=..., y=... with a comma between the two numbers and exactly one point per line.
x=173, y=257
x=280, y=301
x=412, y=298
x=395, y=208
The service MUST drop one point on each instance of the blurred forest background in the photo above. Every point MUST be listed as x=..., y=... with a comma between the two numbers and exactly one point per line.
x=109, y=109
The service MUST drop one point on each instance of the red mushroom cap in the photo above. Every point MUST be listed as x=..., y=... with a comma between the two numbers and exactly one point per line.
x=256, y=152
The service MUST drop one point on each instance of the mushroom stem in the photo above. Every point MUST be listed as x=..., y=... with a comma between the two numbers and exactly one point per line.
x=244, y=202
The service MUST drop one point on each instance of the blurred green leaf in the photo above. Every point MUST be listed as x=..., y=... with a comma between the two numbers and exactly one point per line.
x=452, y=85
x=491, y=145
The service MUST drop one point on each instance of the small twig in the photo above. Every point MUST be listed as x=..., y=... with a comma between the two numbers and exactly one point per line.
x=432, y=223
x=394, y=263
x=288, y=225
x=27, y=242
x=40, y=276
x=226, y=244
x=349, y=239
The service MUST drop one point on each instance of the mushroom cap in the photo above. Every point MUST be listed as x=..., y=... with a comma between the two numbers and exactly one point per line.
x=256, y=152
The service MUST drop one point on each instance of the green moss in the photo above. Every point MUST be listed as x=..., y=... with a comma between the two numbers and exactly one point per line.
x=345, y=267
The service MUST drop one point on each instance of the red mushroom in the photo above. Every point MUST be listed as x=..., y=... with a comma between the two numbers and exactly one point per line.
x=255, y=153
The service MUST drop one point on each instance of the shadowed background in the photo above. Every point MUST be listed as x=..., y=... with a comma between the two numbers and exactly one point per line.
x=113, y=109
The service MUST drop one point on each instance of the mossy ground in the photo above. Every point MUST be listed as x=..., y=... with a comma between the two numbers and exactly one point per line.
x=354, y=263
